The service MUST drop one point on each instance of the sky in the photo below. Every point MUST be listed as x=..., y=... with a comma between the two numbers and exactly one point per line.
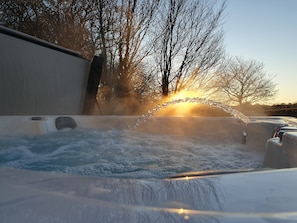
x=266, y=31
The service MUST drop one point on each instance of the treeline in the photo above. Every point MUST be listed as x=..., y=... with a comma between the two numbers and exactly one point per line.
x=282, y=110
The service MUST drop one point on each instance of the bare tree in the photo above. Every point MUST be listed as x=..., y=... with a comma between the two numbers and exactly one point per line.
x=123, y=27
x=189, y=42
x=244, y=81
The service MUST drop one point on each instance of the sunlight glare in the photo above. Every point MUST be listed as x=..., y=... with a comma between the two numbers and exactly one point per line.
x=183, y=109
x=181, y=211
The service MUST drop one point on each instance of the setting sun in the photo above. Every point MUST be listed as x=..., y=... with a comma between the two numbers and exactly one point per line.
x=184, y=108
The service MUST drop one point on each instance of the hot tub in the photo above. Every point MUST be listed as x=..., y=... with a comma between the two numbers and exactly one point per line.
x=168, y=169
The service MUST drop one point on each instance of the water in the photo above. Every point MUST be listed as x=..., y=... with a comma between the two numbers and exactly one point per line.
x=124, y=154
x=194, y=100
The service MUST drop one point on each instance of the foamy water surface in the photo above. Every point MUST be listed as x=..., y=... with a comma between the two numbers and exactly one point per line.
x=125, y=154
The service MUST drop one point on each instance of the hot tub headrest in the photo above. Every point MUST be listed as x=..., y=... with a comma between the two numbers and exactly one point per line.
x=65, y=122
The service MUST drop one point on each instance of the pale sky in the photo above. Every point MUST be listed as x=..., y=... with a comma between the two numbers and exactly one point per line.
x=266, y=31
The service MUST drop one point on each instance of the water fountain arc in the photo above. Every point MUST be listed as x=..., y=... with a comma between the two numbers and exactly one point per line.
x=195, y=100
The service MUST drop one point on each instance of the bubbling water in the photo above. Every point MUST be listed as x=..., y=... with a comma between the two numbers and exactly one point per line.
x=194, y=100
x=124, y=154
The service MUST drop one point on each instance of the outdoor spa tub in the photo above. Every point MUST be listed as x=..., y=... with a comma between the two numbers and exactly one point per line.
x=163, y=169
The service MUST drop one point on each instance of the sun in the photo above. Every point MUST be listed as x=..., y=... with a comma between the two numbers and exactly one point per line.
x=181, y=109
x=185, y=94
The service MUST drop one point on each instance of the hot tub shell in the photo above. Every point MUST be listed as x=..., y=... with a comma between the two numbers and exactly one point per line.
x=247, y=196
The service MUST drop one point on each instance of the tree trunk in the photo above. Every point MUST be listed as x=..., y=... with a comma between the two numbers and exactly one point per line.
x=165, y=86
